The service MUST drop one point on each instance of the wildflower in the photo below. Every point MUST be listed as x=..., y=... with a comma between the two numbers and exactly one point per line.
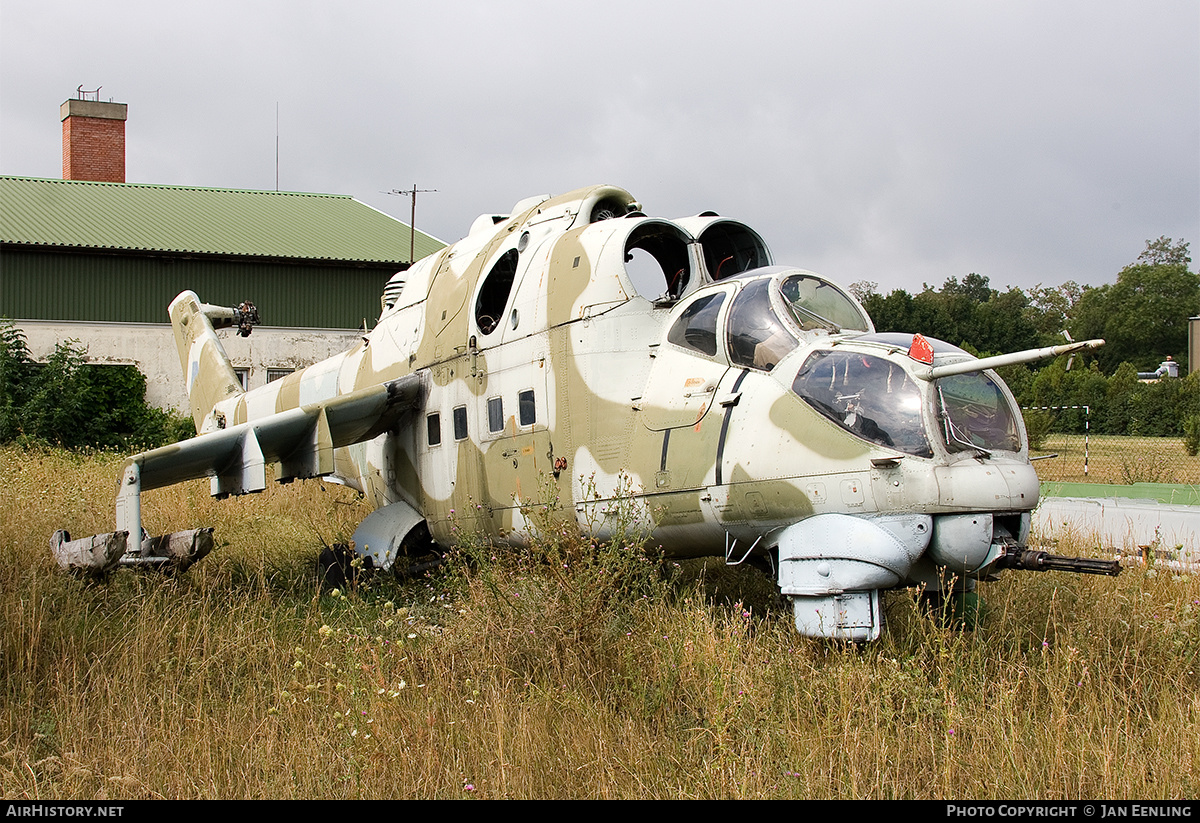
x=335, y=592
x=325, y=631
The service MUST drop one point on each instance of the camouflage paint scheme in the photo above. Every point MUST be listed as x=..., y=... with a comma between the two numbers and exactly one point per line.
x=561, y=333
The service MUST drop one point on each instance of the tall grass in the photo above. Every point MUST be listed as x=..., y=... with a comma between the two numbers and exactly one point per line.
x=563, y=671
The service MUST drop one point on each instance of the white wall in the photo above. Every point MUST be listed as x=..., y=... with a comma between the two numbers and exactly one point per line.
x=151, y=347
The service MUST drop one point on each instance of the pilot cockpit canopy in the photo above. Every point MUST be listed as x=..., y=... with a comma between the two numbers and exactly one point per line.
x=771, y=308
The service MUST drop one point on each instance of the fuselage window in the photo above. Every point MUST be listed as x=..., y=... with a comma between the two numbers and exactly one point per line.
x=493, y=295
x=495, y=408
x=460, y=423
x=526, y=411
x=696, y=327
x=434, y=426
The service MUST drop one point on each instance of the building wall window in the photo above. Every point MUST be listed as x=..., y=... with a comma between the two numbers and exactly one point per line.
x=277, y=374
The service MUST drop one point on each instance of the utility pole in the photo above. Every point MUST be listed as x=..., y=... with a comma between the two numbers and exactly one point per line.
x=412, y=225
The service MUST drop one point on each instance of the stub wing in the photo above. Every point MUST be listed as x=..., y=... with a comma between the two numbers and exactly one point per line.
x=301, y=441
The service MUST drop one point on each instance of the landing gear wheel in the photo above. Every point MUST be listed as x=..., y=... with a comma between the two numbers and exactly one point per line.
x=954, y=610
x=337, y=565
x=418, y=554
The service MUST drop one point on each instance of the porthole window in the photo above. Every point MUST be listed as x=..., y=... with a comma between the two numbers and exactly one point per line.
x=460, y=423
x=434, y=427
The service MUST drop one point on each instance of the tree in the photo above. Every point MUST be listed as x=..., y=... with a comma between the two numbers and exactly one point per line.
x=1162, y=252
x=1050, y=309
x=1143, y=317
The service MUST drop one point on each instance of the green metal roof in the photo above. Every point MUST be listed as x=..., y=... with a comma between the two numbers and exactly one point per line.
x=136, y=216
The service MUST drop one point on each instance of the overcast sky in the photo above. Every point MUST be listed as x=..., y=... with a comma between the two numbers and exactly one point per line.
x=1031, y=141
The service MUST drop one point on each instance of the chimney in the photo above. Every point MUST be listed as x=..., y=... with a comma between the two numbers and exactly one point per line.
x=93, y=140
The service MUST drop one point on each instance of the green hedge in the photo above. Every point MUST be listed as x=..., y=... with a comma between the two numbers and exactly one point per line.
x=70, y=403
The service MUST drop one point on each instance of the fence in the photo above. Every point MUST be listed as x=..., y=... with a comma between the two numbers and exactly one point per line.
x=1080, y=456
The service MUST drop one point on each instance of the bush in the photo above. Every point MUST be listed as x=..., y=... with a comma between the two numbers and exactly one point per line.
x=68, y=402
x=1037, y=426
x=1191, y=435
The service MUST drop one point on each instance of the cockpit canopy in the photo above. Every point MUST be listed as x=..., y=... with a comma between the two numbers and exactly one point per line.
x=875, y=397
x=871, y=397
x=769, y=316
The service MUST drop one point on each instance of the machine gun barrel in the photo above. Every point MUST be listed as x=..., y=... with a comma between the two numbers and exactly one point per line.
x=969, y=366
x=1031, y=560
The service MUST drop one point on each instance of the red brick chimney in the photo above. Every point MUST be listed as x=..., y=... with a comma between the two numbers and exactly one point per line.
x=93, y=140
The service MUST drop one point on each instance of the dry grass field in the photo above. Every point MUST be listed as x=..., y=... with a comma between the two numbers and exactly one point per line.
x=561, y=672
x=1117, y=460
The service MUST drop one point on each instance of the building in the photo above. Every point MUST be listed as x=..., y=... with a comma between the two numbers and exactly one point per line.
x=96, y=259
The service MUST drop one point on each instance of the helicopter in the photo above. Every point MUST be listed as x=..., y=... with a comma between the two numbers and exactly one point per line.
x=577, y=351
